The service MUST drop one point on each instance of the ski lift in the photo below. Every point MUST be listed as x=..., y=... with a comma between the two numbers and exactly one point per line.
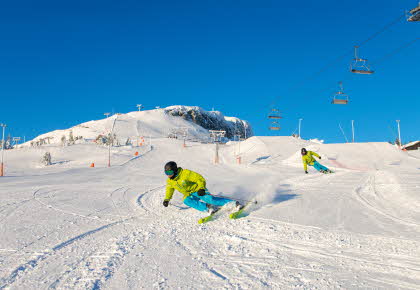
x=340, y=98
x=275, y=114
x=360, y=65
x=415, y=14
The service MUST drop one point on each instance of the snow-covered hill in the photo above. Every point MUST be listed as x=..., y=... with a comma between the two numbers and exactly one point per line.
x=70, y=226
x=155, y=123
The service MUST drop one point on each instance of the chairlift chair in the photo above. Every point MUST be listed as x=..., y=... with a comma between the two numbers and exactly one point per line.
x=340, y=98
x=360, y=65
x=415, y=14
x=274, y=126
x=274, y=116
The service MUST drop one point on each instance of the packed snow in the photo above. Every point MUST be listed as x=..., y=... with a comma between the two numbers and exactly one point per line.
x=72, y=226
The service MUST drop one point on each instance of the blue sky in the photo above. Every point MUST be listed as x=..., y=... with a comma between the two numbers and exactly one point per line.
x=67, y=62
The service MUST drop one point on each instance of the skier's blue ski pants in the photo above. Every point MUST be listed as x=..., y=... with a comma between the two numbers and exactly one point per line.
x=319, y=166
x=200, y=202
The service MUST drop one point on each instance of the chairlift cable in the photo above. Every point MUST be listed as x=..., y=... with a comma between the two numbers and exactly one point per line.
x=337, y=59
x=397, y=50
x=327, y=66
x=385, y=28
x=382, y=59
x=373, y=36
x=379, y=61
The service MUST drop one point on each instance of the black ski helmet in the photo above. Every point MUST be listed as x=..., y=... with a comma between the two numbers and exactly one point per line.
x=171, y=165
x=303, y=151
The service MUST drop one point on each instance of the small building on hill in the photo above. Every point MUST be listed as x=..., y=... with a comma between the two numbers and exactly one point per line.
x=412, y=146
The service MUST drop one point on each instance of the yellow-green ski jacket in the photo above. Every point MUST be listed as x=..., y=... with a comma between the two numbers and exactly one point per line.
x=308, y=159
x=186, y=182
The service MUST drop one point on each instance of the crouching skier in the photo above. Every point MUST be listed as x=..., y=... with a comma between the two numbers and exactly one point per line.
x=308, y=159
x=193, y=186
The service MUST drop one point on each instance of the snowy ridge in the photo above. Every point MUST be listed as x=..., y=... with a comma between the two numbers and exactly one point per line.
x=213, y=120
x=155, y=123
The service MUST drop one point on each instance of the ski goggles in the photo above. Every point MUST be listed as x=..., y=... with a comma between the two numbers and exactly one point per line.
x=169, y=172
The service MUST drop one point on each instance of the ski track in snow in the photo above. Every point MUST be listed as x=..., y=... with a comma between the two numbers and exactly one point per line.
x=95, y=266
x=235, y=252
x=332, y=247
x=125, y=239
x=369, y=195
x=37, y=258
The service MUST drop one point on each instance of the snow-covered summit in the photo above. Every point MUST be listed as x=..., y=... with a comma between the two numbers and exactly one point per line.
x=212, y=120
x=154, y=123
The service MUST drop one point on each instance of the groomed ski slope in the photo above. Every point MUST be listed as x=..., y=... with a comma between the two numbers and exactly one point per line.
x=69, y=226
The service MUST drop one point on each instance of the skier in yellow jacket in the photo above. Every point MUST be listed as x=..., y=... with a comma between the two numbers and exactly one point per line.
x=308, y=159
x=193, y=186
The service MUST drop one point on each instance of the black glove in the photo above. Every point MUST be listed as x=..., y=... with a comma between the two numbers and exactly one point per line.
x=201, y=192
x=306, y=172
x=166, y=202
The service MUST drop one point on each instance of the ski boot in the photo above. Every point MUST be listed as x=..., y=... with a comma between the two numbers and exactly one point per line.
x=211, y=209
x=242, y=209
x=239, y=206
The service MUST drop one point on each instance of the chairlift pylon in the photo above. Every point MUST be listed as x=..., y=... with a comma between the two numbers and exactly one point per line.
x=340, y=98
x=415, y=14
x=360, y=65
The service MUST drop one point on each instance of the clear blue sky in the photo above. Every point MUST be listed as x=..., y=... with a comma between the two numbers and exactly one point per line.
x=66, y=62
